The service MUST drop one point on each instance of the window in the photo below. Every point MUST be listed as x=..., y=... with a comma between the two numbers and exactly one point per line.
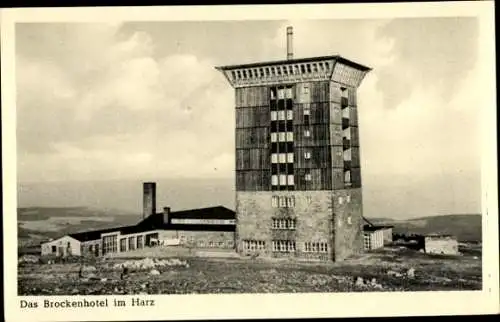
x=131, y=243
x=253, y=245
x=282, y=202
x=54, y=249
x=123, y=244
x=307, y=155
x=282, y=180
x=289, y=137
x=290, y=180
x=347, y=155
x=316, y=247
x=284, y=223
x=282, y=158
x=348, y=198
x=347, y=177
x=282, y=137
x=281, y=115
x=110, y=244
x=274, y=116
x=341, y=200
x=289, y=115
x=289, y=157
x=307, y=133
x=281, y=93
x=289, y=93
x=285, y=246
x=349, y=220
x=140, y=242
x=274, y=158
x=274, y=180
x=274, y=201
x=308, y=177
x=307, y=110
x=274, y=137
x=306, y=90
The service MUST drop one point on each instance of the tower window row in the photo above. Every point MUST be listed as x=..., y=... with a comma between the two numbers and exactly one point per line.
x=282, y=180
x=283, y=201
x=254, y=244
x=285, y=246
x=316, y=247
x=284, y=223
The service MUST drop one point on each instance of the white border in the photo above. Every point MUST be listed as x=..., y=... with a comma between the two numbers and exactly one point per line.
x=180, y=307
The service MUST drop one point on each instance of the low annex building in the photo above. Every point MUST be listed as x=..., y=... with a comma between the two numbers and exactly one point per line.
x=376, y=236
x=212, y=227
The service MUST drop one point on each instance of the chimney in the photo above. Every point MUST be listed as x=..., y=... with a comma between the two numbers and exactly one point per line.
x=149, y=199
x=166, y=215
x=289, y=42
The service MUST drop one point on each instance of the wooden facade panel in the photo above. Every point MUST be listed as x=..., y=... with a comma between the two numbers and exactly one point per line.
x=352, y=94
x=312, y=157
x=335, y=113
x=319, y=113
x=355, y=159
x=336, y=134
x=356, y=177
x=354, y=136
x=253, y=159
x=320, y=91
x=312, y=135
x=320, y=179
x=257, y=137
x=337, y=155
x=252, y=117
x=338, y=178
x=335, y=93
x=253, y=180
x=353, y=116
x=252, y=96
x=302, y=92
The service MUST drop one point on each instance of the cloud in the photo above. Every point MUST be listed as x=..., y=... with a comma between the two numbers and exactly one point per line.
x=117, y=111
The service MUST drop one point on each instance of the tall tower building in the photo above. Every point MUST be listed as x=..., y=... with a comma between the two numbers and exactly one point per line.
x=298, y=176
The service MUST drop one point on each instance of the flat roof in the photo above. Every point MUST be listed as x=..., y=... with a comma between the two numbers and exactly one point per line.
x=297, y=61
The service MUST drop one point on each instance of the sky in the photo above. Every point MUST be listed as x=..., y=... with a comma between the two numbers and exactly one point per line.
x=142, y=101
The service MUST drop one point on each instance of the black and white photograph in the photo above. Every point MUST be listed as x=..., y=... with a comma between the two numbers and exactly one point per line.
x=219, y=156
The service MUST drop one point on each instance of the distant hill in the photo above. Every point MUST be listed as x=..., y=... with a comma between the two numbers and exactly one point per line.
x=464, y=227
x=41, y=223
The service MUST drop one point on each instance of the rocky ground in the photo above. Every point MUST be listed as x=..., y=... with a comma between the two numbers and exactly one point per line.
x=391, y=269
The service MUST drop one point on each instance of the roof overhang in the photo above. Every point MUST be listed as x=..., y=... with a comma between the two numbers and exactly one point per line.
x=329, y=68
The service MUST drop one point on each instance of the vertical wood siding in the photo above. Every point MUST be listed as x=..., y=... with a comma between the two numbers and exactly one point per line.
x=252, y=96
x=252, y=117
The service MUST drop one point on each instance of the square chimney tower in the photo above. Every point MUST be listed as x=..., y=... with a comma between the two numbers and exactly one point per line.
x=298, y=176
x=149, y=199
